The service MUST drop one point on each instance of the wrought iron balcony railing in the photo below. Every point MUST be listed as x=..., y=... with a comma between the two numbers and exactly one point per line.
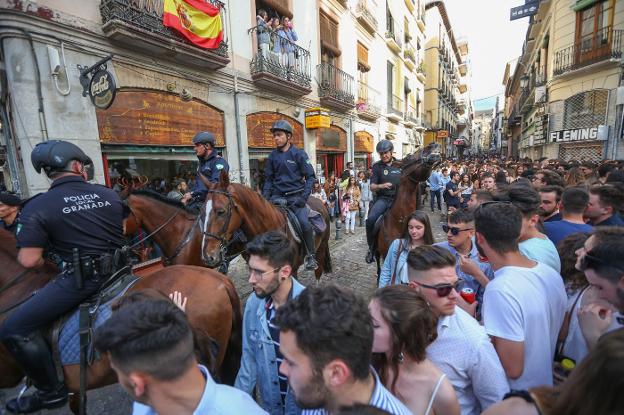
x=604, y=45
x=395, y=105
x=279, y=63
x=146, y=17
x=335, y=86
x=411, y=116
x=368, y=101
x=365, y=16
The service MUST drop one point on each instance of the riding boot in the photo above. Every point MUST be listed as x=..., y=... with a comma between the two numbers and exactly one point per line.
x=310, y=259
x=370, y=240
x=33, y=356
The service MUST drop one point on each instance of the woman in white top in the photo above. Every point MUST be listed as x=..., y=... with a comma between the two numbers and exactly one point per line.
x=403, y=326
x=465, y=185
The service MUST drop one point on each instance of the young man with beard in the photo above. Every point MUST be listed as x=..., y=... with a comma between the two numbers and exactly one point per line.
x=150, y=347
x=326, y=336
x=604, y=205
x=573, y=203
x=549, y=207
x=524, y=305
x=462, y=350
x=270, y=275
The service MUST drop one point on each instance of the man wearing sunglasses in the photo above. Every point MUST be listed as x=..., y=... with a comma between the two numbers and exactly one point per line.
x=469, y=267
x=270, y=275
x=524, y=305
x=462, y=350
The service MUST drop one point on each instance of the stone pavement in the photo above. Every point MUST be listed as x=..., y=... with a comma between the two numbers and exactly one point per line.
x=349, y=269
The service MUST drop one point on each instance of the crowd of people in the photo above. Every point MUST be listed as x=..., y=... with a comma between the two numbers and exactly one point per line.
x=276, y=38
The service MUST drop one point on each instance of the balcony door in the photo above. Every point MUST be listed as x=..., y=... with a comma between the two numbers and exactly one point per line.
x=594, y=32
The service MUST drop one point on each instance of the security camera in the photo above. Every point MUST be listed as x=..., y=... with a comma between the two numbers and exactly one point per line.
x=55, y=60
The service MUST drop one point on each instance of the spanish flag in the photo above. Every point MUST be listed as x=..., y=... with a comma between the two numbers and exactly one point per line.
x=198, y=20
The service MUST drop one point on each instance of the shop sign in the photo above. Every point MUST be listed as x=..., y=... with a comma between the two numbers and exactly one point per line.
x=332, y=139
x=259, y=129
x=317, y=118
x=102, y=89
x=363, y=142
x=528, y=9
x=157, y=118
x=460, y=142
x=442, y=134
x=577, y=134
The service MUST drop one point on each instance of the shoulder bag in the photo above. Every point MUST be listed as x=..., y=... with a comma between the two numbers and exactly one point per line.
x=396, y=262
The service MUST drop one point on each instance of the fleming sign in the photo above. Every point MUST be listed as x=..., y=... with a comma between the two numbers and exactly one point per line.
x=578, y=134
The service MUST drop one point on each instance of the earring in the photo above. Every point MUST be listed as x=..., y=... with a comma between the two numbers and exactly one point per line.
x=401, y=357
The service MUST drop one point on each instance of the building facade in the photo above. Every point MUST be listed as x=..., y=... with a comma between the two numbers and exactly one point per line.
x=564, y=95
x=166, y=88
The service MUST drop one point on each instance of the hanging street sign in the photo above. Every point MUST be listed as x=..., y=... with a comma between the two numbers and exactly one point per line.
x=528, y=9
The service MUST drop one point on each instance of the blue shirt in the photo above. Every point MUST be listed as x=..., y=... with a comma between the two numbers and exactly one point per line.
x=614, y=220
x=556, y=231
x=287, y=172
x=216, y=400
x=381, y=398
x=435, y=182
x=541, y=250
x=210, y=168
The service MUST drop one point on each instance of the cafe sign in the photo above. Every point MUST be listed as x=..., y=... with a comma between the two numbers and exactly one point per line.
x=102, y=89
x=317, y=118
x=442, y=134
x=578, y=134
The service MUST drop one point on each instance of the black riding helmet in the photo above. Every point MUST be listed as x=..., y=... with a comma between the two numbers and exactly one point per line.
x=282, y=125
x=204, y=137
x=53, y=155
x=384, y=145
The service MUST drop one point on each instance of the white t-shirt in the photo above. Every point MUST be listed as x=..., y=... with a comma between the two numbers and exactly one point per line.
x=527, y=305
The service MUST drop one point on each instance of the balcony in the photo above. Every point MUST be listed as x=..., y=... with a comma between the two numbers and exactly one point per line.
x=335, y=87
x=420, y=22
x=409, y=58
x=410, y=117
x=395, y=108
x=368, y=103
x=285, y=69
x=605, y=45
x=138, y=26
x=420, y=72
x=463, y=69
x=540, y=76
x=393, y=41
x=365, y=16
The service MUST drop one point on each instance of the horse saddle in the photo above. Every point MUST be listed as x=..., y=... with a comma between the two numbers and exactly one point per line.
x=65, y=334
x=315, y=218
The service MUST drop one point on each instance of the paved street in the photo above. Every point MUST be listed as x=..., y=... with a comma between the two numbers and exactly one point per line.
x=349, y=268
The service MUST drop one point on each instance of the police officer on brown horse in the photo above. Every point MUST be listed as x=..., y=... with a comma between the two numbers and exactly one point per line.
x=79, y=222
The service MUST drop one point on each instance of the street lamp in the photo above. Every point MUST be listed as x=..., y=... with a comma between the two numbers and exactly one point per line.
x=524, y=81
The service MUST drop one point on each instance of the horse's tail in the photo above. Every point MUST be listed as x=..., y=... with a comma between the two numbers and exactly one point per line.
x=327, y=264
x=234, y=350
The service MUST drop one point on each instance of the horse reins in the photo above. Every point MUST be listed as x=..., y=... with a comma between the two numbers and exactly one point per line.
x=224, y=243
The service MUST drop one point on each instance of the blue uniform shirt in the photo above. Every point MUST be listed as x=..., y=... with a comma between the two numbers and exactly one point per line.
x=382, y=173
x=211, y=169
x=288, y=171
x=72, y=214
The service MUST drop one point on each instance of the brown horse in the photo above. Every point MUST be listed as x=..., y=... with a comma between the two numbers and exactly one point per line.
x=416, y=169
x=213, y=309
x=176, y=230
x=236, y=207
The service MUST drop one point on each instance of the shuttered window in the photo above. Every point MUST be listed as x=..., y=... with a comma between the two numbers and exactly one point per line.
x=362, y=57
x=280, y=6
x=329, y=35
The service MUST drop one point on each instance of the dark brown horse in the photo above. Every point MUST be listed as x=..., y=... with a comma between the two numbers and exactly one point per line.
x=416, y=168
x=213, y=309
x=176, y=230
x=235, y=207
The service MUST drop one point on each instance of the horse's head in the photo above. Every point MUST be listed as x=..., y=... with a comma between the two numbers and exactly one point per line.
x=417, y=167
x=219, y=220
x=429, y=155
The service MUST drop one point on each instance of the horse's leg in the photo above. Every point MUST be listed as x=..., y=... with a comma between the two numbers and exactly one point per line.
x=233, y=352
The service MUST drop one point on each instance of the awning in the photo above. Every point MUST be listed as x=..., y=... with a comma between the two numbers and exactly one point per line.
x=583, y=4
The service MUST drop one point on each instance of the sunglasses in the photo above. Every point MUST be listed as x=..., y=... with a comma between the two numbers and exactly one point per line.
x=443, y=290
x=454, y=230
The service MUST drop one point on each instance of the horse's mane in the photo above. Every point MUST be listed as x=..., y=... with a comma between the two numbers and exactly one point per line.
x=160, y=198
x=247, y=195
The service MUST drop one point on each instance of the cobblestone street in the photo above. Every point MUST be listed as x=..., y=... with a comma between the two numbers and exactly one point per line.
x=349, y=269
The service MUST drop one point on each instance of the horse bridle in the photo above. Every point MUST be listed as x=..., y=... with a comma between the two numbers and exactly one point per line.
x=224, y=243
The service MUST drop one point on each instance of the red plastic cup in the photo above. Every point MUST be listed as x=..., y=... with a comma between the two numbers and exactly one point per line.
x=469, y=295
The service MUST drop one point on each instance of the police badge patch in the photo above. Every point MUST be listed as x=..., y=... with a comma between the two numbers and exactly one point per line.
x=385, y=172
x=219, y=166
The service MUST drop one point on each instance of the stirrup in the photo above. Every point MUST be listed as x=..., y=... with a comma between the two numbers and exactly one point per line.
x=310, y=263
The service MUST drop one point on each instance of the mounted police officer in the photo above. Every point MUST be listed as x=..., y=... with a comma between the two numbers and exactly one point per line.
x=384, y=183
x=79, y=222
x=289, y=176
x=210, y=166
x=10, y=206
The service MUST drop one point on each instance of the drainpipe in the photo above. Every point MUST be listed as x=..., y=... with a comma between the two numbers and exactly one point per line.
x=239, y=145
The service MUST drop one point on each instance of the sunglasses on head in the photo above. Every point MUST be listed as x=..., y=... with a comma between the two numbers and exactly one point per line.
x=443, y=290
x=454, y=230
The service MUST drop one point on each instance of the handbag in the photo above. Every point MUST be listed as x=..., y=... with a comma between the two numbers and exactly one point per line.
x=396, y=262
x=561, y=340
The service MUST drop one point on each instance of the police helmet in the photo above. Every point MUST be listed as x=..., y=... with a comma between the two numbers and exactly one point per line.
x=384, y=146
x=53, y=155
x=204, y=137
x=282, y=125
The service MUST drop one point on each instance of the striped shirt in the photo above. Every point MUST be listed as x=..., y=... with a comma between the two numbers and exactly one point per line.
x=381, y=398
x=274, y=331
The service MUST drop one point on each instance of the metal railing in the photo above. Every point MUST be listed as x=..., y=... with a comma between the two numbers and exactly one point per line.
x=395, y=105
x=148, y=16
x=281, y=57
x=362, y=10
x=596, y=47
x=408, y=53
x=335, y=83
x=391, y=34
x=369, y=99
x=411, y=115
x=540, y=76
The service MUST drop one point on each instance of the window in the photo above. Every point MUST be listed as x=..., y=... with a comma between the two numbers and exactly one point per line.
x=390, y=78
x=587, y=109
x=594, y=31
x=330, y=49
x=389, y=21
